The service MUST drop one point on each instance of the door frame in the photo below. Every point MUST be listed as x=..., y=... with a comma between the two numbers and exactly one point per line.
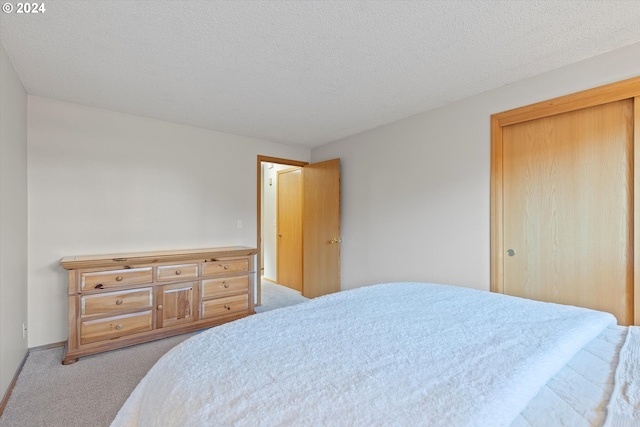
x=265, y=159
x=625, y=89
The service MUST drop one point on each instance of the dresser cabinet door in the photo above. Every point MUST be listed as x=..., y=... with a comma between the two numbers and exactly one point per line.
x=176, y=304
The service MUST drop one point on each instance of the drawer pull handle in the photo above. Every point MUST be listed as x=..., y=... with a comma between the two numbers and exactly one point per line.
x=227, y=307
x=119, y=302
x=159, y=306
x=119, y=279
x=178, y=272
x=119, y=326
x=98, y=286
x=225, y=284
x=226, y=267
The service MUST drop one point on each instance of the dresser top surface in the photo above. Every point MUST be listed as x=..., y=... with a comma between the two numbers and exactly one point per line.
x=88, y=261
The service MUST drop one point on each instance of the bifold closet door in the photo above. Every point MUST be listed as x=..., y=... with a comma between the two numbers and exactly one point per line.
x=568, y=208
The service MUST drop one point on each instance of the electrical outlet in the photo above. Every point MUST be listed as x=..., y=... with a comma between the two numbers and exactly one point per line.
x=24, y=330
x=239, y=223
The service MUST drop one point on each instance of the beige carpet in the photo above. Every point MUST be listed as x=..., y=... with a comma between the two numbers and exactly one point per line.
x=276, y=296
x=91, y=391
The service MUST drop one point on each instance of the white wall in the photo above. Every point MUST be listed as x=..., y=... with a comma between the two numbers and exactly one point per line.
x=13, y=221
x=415, y=193
x=106, y=182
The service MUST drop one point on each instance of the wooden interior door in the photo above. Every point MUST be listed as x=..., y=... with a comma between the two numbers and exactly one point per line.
x=567, y=211
x=289, y=228
x=321, y=228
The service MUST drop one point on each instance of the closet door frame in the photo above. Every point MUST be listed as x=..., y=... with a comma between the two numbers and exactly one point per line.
x=626, y=89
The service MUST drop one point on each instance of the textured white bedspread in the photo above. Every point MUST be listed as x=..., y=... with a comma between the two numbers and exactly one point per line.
x=578, y=394
x=624, y=407
x=398, y=354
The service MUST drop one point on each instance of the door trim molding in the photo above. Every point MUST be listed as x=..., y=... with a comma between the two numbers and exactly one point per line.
x=266, y=159
x=636, y=211
x=625, y=89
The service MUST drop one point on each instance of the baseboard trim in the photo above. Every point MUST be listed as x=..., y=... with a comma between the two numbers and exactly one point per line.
x=7, y=394
x=48, y=346
x=269, y=280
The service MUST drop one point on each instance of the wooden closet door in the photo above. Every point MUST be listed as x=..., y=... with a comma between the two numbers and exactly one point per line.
x=568, y=208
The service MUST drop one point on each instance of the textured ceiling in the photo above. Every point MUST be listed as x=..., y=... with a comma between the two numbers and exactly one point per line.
x=300, y=72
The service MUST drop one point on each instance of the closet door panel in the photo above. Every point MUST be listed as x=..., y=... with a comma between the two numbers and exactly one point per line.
x=567, y=208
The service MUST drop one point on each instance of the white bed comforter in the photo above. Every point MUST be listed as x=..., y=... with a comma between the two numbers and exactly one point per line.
x=399, y=354
x=624, y=406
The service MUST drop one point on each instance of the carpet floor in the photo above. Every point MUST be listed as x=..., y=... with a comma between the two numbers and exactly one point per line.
x=91, y=391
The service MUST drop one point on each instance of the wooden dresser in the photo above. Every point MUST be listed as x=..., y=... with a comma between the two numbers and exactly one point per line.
x=120, y=300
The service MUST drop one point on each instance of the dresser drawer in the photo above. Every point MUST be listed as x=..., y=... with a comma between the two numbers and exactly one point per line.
x=213, y=288
x=114, y=302
x=177, y=272
x=222, y=306
x=225, y=267
x=113, y=327
x=113, y=278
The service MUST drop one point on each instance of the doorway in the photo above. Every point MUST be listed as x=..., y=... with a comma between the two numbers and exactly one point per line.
x=320, y=225
x=268, y=168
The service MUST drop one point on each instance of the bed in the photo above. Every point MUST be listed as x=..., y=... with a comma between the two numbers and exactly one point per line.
x=399, y=354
